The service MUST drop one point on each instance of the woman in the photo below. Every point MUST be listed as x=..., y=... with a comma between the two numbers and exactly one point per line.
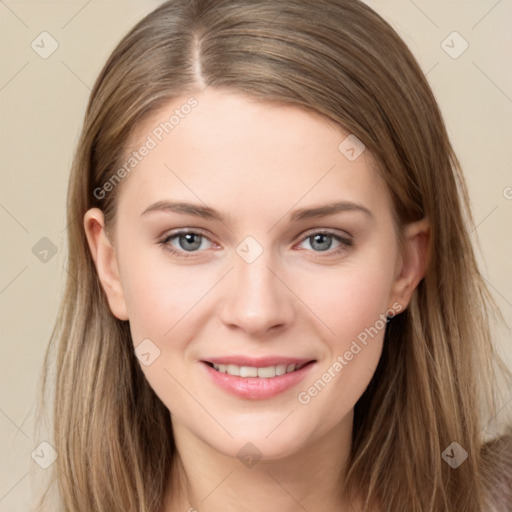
x=273, y=301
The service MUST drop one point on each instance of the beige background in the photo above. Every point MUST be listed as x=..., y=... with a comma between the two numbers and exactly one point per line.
x=42, y=102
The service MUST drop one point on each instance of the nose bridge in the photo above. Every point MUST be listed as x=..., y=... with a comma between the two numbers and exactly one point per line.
x=255, y=299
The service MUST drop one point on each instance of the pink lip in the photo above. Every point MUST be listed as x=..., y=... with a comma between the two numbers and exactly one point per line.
x=257, y=362
x=255, y=388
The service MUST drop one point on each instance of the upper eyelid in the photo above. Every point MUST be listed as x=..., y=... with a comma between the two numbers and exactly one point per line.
x=329, y=231
x=185, y=232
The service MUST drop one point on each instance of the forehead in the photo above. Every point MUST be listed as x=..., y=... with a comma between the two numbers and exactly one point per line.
x=233, y=150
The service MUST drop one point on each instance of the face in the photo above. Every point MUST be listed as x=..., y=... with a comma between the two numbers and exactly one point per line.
x=256, y=272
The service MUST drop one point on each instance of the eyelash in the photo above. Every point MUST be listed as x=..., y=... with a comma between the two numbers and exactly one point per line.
x=345, y=243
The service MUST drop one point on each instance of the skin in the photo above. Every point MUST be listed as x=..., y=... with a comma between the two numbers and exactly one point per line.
x=256, y=162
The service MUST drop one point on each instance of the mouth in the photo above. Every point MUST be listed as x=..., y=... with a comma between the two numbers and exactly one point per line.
x=262, y=372
x=257, y=379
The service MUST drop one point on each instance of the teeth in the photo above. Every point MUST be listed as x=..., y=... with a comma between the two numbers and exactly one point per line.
x=280, y=369
x=251, y=371
x=232, y=370
x=248, y=371
x=267, y=373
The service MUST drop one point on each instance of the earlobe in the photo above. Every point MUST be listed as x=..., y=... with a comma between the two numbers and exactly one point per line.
x=103, y=255
x=413, y=262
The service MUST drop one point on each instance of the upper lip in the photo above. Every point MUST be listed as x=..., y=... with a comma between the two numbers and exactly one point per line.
x=257, y=362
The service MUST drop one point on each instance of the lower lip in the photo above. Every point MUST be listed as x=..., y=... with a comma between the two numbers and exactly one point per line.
x=256, y=388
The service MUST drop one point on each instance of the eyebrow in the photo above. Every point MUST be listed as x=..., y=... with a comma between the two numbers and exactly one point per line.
x=208, y=213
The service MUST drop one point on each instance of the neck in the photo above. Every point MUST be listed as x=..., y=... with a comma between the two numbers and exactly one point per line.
x=205, y=480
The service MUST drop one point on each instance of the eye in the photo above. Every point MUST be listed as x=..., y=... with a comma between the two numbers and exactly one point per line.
x=186, y=242
x=192, y=241
x=322, y=241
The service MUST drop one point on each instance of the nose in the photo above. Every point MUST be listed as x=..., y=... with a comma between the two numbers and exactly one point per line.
x=256, y=297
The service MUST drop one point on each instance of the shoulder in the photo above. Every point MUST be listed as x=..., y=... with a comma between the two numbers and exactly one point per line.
x=496, y=471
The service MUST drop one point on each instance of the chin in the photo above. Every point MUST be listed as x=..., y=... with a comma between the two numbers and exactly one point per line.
x=264, y=443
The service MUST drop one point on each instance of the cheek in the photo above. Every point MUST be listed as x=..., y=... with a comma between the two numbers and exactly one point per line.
x=163, y=300
x=354, y=305
x=348, y=299
x=160, y=294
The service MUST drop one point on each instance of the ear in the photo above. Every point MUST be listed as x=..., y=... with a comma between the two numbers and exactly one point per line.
x=412, y=262
x=104, y=258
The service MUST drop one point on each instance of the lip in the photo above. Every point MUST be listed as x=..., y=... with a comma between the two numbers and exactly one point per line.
x=255, y=388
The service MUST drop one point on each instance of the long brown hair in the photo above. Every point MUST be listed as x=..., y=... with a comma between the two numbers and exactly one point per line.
x=435, y=383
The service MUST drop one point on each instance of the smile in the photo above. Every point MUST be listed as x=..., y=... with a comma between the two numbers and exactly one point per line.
x=257, y=381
